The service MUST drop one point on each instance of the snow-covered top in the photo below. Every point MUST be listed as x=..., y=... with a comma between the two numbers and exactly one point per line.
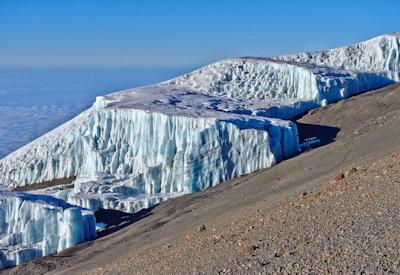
x=172, y=100
x=381, y=53
x=257, y=78
x=249, y=84
x=232, y=89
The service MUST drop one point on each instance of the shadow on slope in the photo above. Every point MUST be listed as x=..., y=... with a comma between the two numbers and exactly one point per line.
x=117, y=220
x=312, y=136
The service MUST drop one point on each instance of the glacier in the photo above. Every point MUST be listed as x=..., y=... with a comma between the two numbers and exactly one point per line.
x=33, y=226
x=378, y=54
x=128, y=153
x=135, y=148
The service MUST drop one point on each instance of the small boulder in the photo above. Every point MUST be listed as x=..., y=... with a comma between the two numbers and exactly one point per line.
x=202, y=228
x=339, y=177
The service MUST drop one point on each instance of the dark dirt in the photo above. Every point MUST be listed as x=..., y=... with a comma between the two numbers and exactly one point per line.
x=46, y=184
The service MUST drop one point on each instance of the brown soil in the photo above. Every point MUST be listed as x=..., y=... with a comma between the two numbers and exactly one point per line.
x=45, y=184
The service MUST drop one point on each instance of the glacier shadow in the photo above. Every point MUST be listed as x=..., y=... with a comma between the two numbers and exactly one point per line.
x=312, y=136
x=117, y=220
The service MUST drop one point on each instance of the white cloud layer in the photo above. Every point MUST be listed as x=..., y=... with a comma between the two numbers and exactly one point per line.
x=22, y=124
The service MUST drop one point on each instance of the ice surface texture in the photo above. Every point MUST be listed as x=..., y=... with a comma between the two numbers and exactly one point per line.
x=137, y=147
x=268, y=80
x=36, y=225
x=151, y=153
x=381, y=53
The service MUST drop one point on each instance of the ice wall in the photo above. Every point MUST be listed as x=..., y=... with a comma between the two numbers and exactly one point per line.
x=32, y=226
x=266, y=79
x=151, y=153
x=252, y=78
x=381, y=53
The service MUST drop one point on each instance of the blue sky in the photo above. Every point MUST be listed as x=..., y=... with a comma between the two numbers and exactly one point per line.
x=180, y=33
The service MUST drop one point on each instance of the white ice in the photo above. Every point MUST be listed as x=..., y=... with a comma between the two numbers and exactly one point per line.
x=32, y=226
x=379, y=54
x=130, y=158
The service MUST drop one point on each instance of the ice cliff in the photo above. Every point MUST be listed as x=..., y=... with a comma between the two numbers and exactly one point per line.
x=135, y=148
x=380, y=54
x=32, y=226
x=267, y=80
x=151, y=142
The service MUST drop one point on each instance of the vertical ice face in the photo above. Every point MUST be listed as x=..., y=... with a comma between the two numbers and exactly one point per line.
x=252, y=78
x=378, y=54
x=36, y=225
x=125, y=142
x=126, y=158
x=266, y=79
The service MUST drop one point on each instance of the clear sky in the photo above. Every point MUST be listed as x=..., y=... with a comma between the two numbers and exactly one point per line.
x=180, y=33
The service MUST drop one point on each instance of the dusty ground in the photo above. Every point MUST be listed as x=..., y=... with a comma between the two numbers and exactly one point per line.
x=331, y=209
x=45, y=184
